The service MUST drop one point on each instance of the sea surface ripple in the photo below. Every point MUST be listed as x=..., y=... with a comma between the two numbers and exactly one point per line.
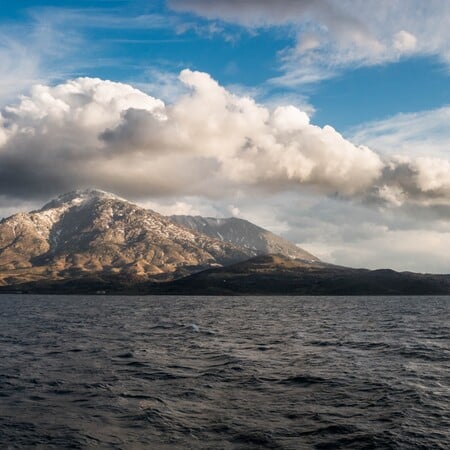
x=224, y=372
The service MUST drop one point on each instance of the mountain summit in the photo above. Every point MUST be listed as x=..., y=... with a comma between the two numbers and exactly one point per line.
x=79, y=197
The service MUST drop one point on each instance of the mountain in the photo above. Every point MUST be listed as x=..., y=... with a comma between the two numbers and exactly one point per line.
x=244, y=234
x=95, y=233
x=91, y=241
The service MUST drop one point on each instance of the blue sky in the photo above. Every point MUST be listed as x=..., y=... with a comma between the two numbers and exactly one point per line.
x=377, y=71
x=127, y=40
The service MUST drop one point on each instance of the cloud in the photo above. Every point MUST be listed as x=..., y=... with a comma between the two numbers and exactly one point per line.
x=106, y=17
x=418, y=250
x=252, y=13
x=23, y=51
x=44, y=47
x=209, y=142
x=19, y=67
x=405, y=42
x=351, y=234
x=417, y=147
x=335, y=34
x=244, y=143
x=86, y=131
x=414, y=134
x=50, y=44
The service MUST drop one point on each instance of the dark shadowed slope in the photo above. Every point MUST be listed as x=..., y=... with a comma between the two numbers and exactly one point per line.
x=262, y=275
x=278, y=275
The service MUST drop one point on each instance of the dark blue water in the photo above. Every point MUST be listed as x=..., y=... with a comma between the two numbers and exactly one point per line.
x=231, y=373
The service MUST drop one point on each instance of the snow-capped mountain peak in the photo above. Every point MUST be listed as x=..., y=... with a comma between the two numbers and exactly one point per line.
x=80, y=197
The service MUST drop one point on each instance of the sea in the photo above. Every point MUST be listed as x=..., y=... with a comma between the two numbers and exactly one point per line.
x=126, y=372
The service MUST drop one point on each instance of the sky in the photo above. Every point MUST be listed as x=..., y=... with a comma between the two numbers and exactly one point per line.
x=326, y=121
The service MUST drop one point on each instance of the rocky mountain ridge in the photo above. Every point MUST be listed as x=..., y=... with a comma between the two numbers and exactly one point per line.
x=244, y=234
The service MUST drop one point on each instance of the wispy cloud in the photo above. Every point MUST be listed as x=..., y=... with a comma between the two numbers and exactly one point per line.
x=420, y=133
x=31, y=53
x=52, y=43
x=112, y=18
x=333, y=35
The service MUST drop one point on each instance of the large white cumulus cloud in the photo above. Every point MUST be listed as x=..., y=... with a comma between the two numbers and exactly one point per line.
x=89, y=104
x=209, y=142
x=89, y=131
